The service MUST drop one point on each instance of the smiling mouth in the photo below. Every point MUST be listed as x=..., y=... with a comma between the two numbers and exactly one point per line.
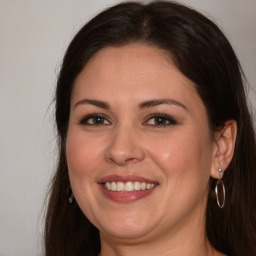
x=129, y=186
x=126, y=189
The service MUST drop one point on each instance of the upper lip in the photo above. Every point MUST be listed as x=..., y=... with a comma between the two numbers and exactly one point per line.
x=125, y=179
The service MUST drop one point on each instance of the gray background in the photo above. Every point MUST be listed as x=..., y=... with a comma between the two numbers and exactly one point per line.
x=33, y=37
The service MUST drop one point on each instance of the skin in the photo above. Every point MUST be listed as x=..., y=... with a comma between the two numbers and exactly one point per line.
x=180, y=156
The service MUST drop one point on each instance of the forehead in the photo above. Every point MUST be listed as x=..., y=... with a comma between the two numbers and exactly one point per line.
x=132, y=68
x=136, y=58
x=132, y=51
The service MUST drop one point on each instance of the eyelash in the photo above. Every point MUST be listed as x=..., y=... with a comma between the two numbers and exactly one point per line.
x=102, y=118
x=163, y=117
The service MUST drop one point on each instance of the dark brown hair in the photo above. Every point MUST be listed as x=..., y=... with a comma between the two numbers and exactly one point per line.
x=203, y=54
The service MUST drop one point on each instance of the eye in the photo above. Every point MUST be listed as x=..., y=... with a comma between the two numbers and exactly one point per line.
x=160, y=120
x=95, y=119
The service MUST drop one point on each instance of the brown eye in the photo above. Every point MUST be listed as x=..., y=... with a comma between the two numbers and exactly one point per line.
x=160, y=120
x=95, y=119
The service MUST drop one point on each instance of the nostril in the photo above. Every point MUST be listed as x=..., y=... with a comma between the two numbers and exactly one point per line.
x=123, y=160
x=123, y=150
x=131, y=160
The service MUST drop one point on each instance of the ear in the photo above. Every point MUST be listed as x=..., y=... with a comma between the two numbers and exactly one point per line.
x=224, y=145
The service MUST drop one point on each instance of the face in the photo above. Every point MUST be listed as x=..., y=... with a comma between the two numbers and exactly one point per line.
x=139, y=148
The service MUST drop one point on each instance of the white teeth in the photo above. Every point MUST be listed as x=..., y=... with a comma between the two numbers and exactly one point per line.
x=128, y=186
x=108, y=186
x=137, y=185
x=113, y=186
x=148, y=186
x=120, y=186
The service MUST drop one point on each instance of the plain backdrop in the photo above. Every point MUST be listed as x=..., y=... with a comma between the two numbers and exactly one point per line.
x=33, y=37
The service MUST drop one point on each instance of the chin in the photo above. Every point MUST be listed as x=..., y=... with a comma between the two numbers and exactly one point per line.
x=129, y=228
x=126, y=234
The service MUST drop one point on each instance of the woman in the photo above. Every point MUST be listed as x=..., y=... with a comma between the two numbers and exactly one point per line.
x=157, y=146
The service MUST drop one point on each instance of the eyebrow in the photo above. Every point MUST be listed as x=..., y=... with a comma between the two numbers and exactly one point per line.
x=97, y=103
x=143, y=105
x=156, y=102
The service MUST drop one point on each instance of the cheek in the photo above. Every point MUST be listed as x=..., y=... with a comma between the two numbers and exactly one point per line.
x=82, y=161
x=82, y=154
x=183, y=154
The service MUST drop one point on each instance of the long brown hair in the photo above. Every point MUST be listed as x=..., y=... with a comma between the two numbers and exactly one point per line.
x=203, y=54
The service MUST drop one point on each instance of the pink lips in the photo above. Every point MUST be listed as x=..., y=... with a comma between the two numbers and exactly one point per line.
x=125, y=197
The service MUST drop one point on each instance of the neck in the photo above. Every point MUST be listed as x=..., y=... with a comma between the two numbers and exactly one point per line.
x=189, y=249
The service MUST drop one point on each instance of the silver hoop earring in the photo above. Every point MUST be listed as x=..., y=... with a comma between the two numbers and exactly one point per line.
x=220, y=191
x=70, y=195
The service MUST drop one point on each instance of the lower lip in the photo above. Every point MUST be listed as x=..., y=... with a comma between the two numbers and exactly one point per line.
x=126, y=197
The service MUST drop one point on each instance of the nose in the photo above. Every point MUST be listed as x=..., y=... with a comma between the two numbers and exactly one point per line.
x=124, y=147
